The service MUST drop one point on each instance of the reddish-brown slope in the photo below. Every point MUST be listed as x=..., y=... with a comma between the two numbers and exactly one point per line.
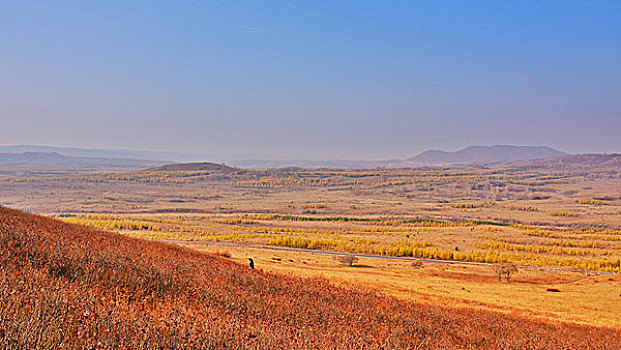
x=69, y=287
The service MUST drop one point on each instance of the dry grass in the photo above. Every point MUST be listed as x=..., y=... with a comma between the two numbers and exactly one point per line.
x=585, y=298
x=64, y=286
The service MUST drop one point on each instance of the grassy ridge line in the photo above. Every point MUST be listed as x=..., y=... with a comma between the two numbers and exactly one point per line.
x=69, y=287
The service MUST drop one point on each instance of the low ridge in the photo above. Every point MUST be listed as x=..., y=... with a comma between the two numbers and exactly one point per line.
x=55, y=158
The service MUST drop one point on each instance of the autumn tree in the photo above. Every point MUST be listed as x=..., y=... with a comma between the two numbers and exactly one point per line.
x=348, y=260
x=506, y=270
x=509, y=270
x=498, y=269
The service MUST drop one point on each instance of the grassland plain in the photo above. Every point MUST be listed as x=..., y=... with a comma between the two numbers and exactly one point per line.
x=473, y=241
x=539, y=197
x=555, y=216
x=70, y=287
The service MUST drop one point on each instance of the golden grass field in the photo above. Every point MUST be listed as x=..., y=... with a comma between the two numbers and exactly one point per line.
x=555, y=216
x=584, y=298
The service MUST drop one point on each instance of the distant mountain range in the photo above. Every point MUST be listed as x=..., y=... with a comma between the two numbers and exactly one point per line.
x=54, y=158
x=473, y=155
x=481, y=155
x=106, y=153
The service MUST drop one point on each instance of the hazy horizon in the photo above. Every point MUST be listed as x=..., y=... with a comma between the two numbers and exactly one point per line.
x=197, y=156
x=310, y=80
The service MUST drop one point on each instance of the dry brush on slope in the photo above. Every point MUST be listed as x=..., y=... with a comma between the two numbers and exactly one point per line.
x=65, y=286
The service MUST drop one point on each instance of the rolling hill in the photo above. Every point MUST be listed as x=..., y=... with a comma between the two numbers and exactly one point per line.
x=481, y=155
x=70, y=287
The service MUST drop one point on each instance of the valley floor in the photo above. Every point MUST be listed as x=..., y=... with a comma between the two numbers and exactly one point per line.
x=591, y=299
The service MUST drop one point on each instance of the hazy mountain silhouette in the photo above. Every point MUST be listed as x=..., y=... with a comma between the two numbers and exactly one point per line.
x=484, y=155
x=167, y=156
x=50, y=155
x=54, y=158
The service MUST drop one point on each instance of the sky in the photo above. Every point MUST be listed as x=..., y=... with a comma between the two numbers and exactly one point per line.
x=311, y=79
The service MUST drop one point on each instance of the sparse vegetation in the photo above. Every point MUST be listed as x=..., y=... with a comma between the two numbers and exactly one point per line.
x=589, y=202
x=564, y=213
x=523, y=208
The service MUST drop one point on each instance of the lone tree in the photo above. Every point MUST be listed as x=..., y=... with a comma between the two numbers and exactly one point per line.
x=498, y=269
x=251, y=263
x=348, y=260
x=510, y=269
x=506, y=270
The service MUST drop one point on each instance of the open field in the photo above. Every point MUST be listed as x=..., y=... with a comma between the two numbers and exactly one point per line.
x=475, y=241
x=583, y=298
x=69, y=287
x=557, y=216
x=574, y=197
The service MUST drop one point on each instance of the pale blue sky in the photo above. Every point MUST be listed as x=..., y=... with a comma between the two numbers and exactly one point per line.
x=339, y=79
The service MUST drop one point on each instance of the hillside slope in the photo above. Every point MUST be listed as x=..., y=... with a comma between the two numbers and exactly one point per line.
x=69, y=287
x=484, y=155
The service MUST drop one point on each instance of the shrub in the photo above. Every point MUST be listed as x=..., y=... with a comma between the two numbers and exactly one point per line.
x=348, y=260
